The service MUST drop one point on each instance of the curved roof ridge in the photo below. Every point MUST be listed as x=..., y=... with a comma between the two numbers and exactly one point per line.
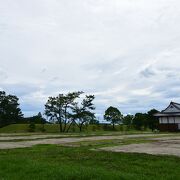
x=175, y=103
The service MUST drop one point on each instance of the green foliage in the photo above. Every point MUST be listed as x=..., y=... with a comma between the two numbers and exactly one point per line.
x=127, y=120
x=65, y=110
x=82, y=112
x=59, y=109
x=107, y=127
x=113, y=115
x=94, y=121
x=140, y=121
x=152, y=121
x=38, y=119
x=32, y=127
x=42, y=128
x=144, y=120
x=9, y=109
x=121, y=127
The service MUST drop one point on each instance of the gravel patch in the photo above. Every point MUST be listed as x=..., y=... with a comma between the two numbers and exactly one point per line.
x=163, y=146
x=61, y=141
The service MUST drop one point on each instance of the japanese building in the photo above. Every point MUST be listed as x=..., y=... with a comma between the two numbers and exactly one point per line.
x=169, y=119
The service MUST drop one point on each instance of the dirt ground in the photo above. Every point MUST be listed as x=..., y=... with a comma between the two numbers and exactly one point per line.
x=30, y=137
x=163, y=146
x=29, y=141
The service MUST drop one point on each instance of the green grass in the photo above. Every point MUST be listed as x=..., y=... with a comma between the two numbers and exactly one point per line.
x=54, y=128
x=110, y=143
x=68, y=163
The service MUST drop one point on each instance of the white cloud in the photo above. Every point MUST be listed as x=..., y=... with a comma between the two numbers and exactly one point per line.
x=125, y=52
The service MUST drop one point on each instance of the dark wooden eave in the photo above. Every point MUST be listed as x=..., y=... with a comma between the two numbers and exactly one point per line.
x=161, y=114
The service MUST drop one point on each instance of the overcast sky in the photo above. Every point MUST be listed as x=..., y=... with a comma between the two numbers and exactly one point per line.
x=126, y=52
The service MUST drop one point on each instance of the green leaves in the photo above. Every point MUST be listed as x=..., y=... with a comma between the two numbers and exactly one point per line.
x=82, y=112
x=113, y=115
x=9, y=109
x=65, y=109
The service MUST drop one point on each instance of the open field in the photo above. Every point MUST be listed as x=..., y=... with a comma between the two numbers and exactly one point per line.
x=59, y=156
x=29, y=141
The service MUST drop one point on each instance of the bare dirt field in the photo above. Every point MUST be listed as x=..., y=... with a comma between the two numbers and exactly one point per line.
x=29, y=141
x=162, y=146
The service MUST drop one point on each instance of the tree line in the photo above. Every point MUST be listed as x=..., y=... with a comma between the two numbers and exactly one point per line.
x=139, y=121
x=72, y=109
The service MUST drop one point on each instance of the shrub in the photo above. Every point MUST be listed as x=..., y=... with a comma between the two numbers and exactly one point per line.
x=121, y=128
x=32, y=127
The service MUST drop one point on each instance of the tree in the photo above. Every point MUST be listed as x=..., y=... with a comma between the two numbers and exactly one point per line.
x=127, y=120
x=140, y=120
x=9, y=109
x=94, y=121
x=152, y=121
x=113, y=115
x=37, y=119
x=59, y=109
x=32, y=127
x=83, y=111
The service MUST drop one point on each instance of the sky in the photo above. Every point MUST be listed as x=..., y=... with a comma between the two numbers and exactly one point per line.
x=125, y=52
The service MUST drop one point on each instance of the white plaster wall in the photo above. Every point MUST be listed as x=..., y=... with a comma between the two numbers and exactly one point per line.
x=177, y=120
x=164, y=120
x=171, y=120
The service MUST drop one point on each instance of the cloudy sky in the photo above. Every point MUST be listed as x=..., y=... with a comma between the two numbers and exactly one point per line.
x=126, y=52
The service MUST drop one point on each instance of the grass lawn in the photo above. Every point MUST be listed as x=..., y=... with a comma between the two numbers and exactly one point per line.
x=54, y=128
x=57, y=162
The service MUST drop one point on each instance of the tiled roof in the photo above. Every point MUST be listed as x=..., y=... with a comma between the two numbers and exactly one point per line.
x=172, y=110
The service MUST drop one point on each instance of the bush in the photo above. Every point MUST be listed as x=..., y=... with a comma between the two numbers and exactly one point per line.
x=94, y=127
x=127, y=127
x=108, y=127
x=42, y=129
x=121, y=128
x=32, y=127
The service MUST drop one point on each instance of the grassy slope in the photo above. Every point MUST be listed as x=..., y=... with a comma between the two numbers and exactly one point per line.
x=20, y=128
x=54, y=128
x=56, y=162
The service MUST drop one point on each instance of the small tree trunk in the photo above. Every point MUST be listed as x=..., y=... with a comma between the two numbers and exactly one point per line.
x=69, y=126
x=65, y=122
x=80, y=127
x=64, y=129
x=113, y=126
x=60, y=126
